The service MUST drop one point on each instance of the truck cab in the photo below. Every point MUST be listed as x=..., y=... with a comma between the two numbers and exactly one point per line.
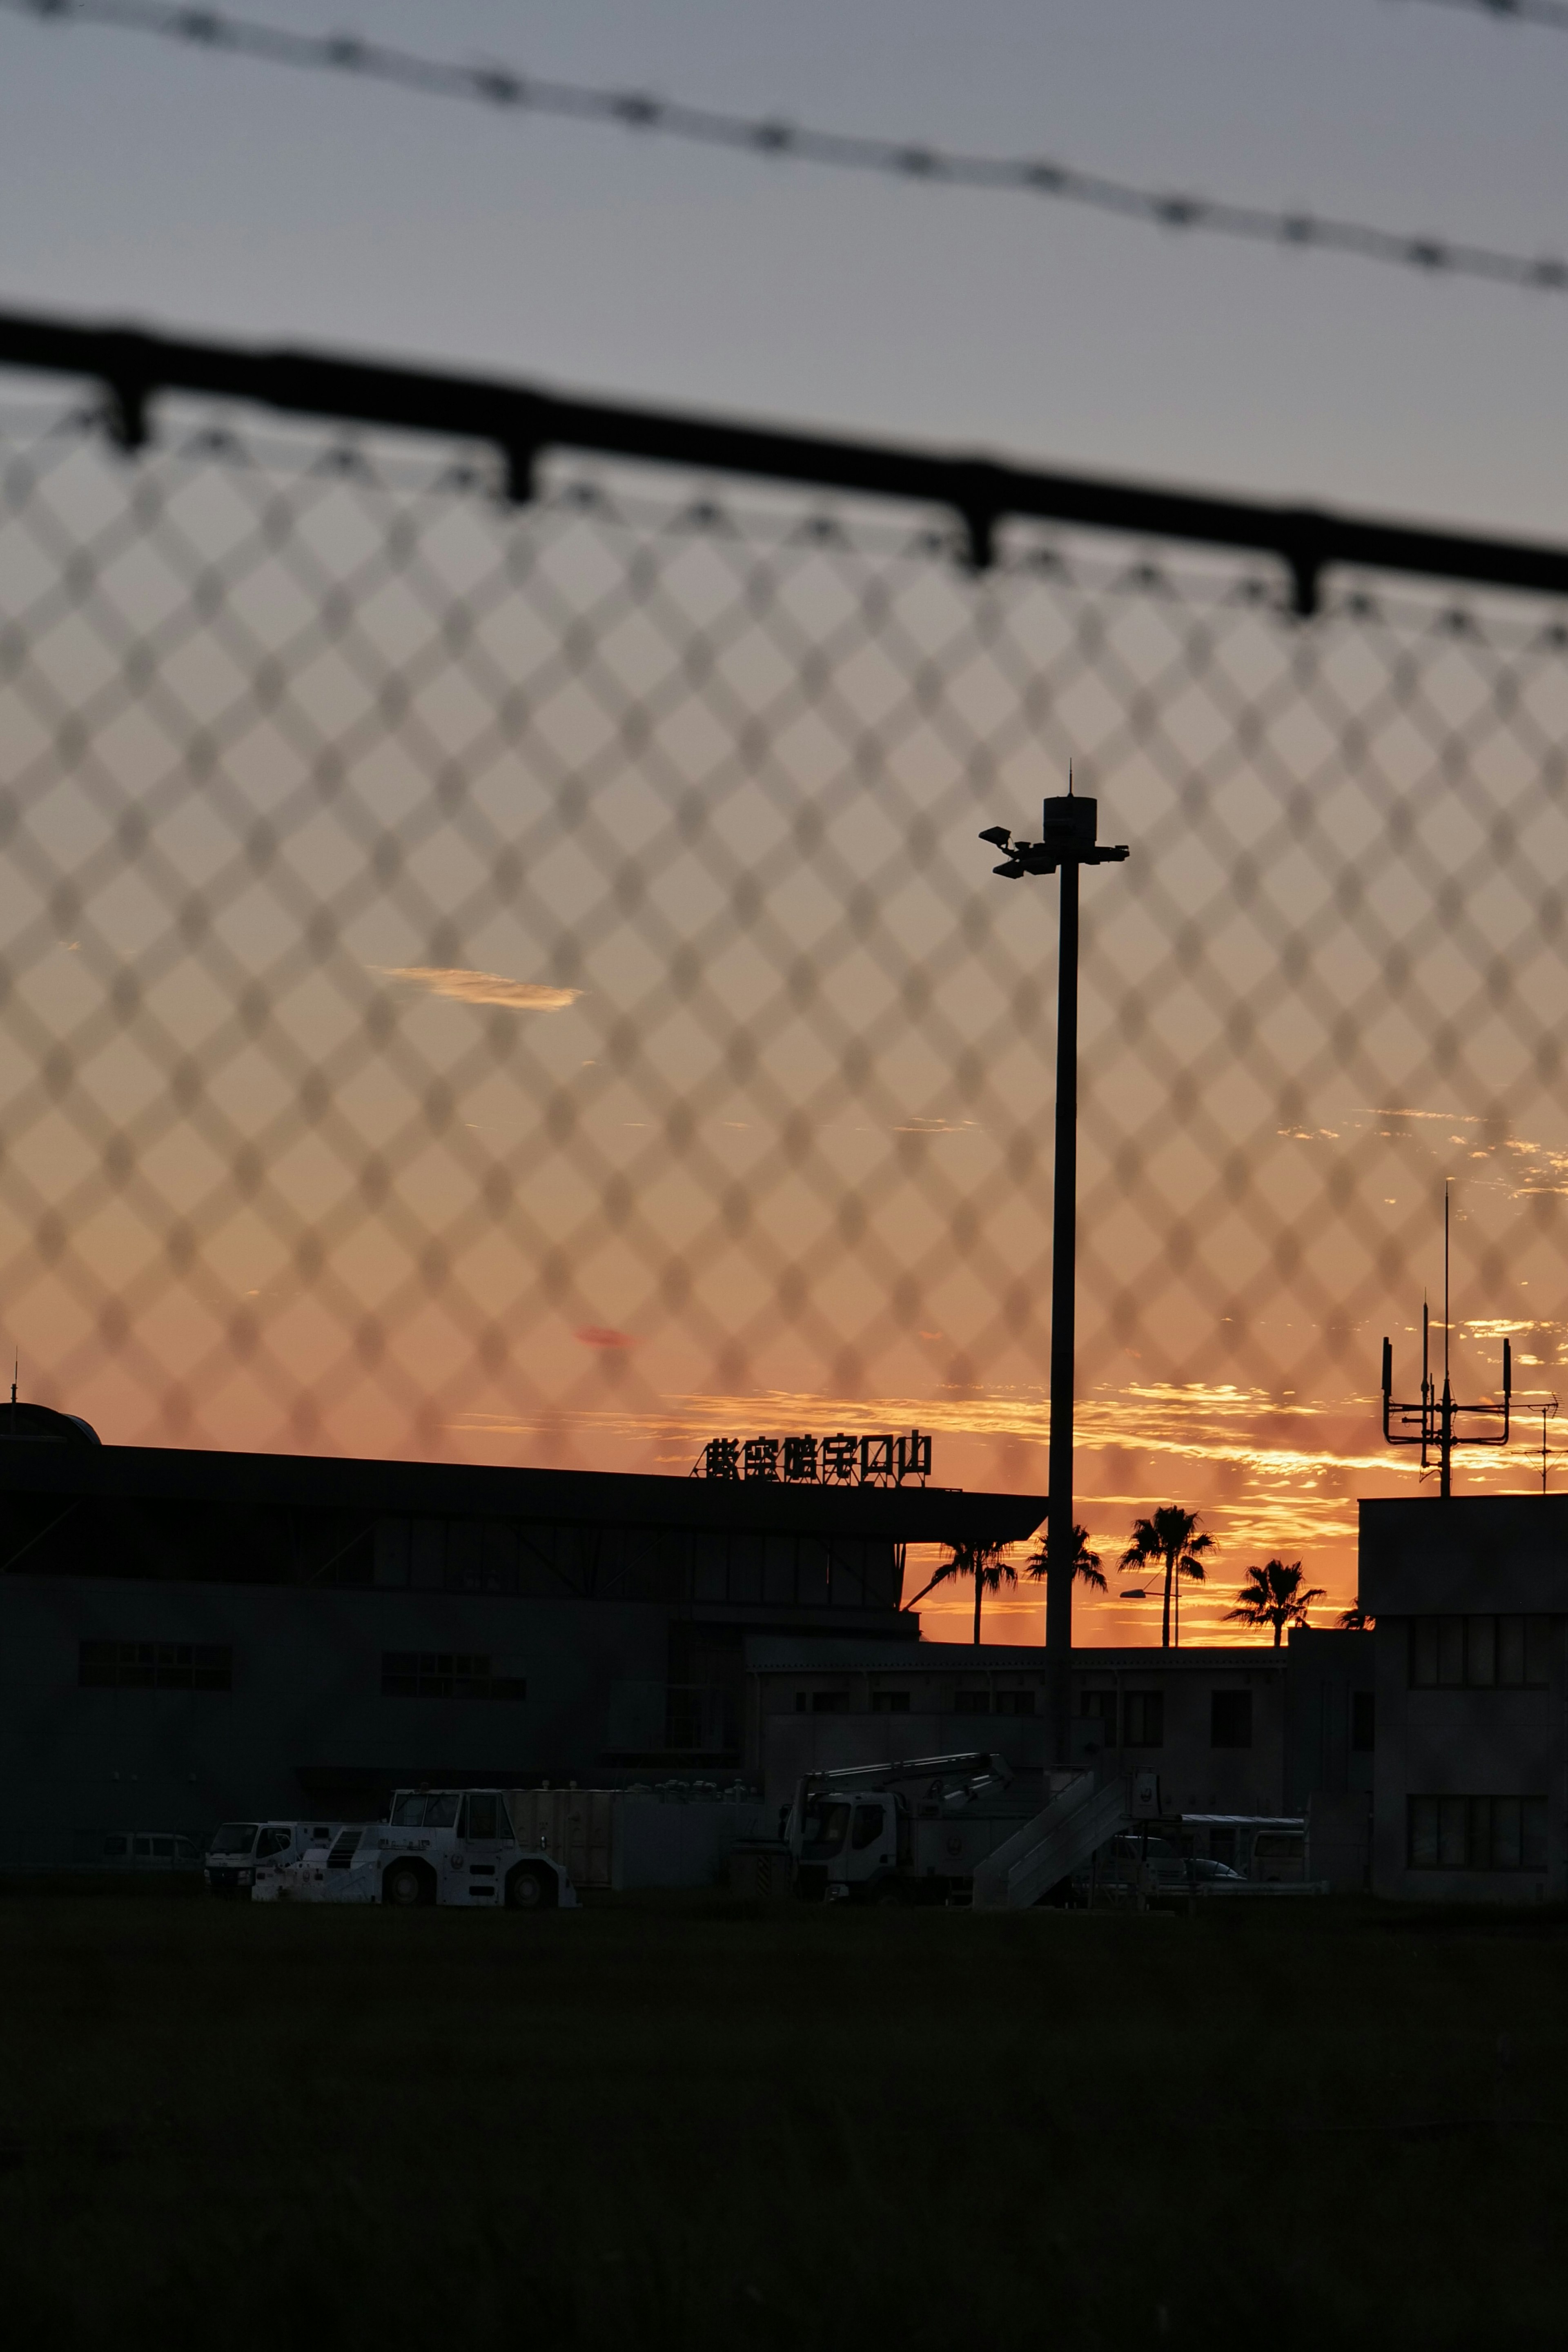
x=852, y=1845
x=240, y=1848
x=910, y=1831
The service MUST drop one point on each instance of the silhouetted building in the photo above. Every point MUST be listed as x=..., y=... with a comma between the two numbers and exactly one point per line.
x=1471, y=1786
x=189, y=1635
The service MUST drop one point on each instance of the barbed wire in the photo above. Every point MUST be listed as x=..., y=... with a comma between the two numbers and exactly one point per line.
x=1552, y=14
x=508, y=89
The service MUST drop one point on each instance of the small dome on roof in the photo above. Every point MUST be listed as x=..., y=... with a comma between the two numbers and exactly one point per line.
x=43, y=1425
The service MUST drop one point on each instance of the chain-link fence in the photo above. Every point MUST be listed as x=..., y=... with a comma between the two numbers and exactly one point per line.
x=521, y=982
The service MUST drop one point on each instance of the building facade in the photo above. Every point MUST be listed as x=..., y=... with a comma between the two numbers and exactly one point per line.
x=1470, y=1596
x=1238, y=1730
x=186, y=1636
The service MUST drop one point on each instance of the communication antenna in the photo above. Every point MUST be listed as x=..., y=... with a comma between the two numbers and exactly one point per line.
x=1548, y=1412
x=1430, y=1423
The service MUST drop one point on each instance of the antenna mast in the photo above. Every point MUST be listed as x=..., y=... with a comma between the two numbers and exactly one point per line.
x=1430, y=1423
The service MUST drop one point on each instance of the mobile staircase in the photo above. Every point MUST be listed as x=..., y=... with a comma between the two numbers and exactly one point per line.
x=1049, y=1848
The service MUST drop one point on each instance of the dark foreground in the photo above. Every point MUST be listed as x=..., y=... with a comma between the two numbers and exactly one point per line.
x=699, y=2125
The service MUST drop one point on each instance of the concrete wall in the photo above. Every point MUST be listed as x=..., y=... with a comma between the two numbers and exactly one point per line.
x=1471, y=1556
x=306, y=1702
x=1493, y=1743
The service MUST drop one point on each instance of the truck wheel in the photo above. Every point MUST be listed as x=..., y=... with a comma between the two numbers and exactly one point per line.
x=526, y=1890
x=890, y=1896
x=404, y=1885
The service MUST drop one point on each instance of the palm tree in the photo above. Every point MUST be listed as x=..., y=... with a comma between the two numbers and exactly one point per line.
x=987, y=1563
x=1355, y=1619
x=1172, y=1536
x=1274, y=1595
x=1084, y=1564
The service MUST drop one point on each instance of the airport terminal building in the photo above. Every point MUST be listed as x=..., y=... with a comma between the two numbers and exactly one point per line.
x=186, y=1635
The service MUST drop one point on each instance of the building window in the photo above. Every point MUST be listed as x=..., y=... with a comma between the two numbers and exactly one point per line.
x=1016, y=1702
x=830, y=1702
x=1477, y=1833
x=890, y=1702
x=1363, y=1722
x=1480, y=1653
x=155, y=1666
x=971, y=1702
x=1230, y=1719
x=1143, y=1719
x=445, y=1673
x=1100, y=1706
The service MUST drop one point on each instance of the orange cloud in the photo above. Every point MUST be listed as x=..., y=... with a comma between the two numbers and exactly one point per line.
x=482, y=987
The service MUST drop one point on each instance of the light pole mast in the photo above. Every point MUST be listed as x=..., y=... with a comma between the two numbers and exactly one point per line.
x=1068, y=829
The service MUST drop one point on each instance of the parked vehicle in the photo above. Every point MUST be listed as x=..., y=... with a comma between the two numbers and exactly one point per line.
x=1159, y=1866
x=436, y=1845
x=1269, y=1849
x=240, y=1848
x=149, y=1850
x=910, y=1831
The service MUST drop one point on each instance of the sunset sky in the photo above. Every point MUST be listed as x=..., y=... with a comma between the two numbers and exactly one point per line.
x=524, y=983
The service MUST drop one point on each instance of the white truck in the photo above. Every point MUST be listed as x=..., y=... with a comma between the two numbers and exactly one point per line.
x=240, y=1849
x=955, y=1830
x=436, y=1845
x=909, y=1832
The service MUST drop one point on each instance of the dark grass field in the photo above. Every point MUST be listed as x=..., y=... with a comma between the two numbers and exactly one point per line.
x=691, y=2124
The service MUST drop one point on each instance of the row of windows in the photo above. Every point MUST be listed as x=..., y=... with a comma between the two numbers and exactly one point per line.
x=155, y=1666
x=898, y=1702
x=1141, y=1712
x=1143, y=1717
x=1477, y=1833
x=184, y=1540
x=1142, y=1723
x=209, y=1666
x=1480, y=1653
x=445, y=1673
x=738, y=1565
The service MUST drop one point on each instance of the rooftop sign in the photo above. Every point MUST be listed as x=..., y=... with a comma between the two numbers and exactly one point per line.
x=838, y=1461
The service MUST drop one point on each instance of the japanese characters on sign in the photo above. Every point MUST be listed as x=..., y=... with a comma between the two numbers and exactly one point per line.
x=839, y=1460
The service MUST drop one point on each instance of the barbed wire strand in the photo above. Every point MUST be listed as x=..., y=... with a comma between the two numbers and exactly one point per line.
x=1552, y=14
x=505, y=88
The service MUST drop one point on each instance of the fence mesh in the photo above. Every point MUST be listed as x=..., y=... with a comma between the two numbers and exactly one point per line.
x=522, y=982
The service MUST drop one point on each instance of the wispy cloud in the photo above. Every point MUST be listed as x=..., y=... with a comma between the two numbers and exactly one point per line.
x=481, y=987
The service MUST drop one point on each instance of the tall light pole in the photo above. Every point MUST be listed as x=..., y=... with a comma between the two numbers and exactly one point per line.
x=1068, y=828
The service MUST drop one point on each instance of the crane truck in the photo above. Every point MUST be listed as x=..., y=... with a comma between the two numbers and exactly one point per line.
x=962, y=1829
x=908, y=1832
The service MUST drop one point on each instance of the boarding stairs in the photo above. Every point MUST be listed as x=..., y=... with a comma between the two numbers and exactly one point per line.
x=1058, y=1841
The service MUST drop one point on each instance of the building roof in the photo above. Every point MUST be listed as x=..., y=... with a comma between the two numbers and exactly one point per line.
x=1419, y=1555
x=779, y=1654
x=326, y=1481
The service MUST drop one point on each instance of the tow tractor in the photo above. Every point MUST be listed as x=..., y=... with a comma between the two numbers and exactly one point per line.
x=436, y=1845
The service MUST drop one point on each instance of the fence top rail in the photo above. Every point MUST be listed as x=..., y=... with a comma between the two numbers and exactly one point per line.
x=522, y=421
